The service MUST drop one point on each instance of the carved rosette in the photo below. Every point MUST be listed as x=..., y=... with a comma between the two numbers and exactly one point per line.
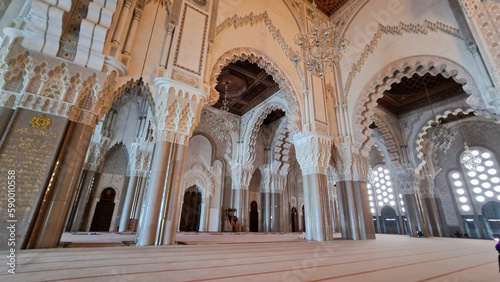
x=313, y=152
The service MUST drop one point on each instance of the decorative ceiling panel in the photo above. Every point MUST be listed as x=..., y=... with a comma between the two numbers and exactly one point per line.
x=418, y=92
x=329, y=6
x=247, y=86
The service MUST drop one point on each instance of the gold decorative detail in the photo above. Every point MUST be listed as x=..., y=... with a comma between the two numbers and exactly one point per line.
x=41, y=121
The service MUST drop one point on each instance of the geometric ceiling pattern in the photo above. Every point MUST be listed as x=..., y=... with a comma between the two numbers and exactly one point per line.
x=329, y=6
x=247, y=86
x=418, y=92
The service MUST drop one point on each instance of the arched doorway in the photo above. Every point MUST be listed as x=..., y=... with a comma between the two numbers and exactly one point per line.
x=191, y=210
x=104, y=211
x=254, y=217
x=389, y=221
x=491, y=216
x=294, y=220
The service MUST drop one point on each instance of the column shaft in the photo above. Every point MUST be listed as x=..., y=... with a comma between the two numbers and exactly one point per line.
x=49, y=224
x=127, y=204
x=147, y=231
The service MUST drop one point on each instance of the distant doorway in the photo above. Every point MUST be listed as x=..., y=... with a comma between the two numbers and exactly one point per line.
x=389, y=221
x=254, y=217
x=191, y=210
x=294, y=220
x=103, y=213
x=491, y=216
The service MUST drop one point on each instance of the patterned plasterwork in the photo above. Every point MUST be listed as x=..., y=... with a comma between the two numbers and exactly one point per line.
x=252, y=122
x=406, y=67
x=263, y=61
x=400, y=29
x=41, y=83
x=487, y=21
x=348, y=165
x=178, y=110
x=198, y=175
x=313, y=151
x=252, y=19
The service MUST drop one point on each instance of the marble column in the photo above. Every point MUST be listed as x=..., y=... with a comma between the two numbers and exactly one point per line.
x=49, y=223
x=240, y=203
x=152, y=201
x=413, y=214
x=160, y=209
x=82, y=201
x=318, y=207
x=432, y=214
x=171, y=220
x=366, y=221
x=127, y=204
x=348, y=210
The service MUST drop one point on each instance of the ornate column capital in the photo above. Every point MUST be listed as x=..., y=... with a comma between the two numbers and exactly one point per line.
x=178, y=110
x=313, y=152
x=241, y=174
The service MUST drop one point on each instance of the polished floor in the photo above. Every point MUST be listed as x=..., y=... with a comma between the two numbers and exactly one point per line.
x=259, y=257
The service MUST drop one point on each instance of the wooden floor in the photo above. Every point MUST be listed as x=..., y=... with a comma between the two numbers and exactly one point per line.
x=263, y=257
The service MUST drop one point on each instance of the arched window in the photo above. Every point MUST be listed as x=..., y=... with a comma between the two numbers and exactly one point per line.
x=381, y=191
x=483, y=185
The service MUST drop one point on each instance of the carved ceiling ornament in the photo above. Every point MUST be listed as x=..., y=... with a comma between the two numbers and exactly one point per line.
x=264, y=62
x=393, y=73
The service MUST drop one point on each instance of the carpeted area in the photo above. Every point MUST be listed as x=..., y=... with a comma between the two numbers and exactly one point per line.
x=390, y=257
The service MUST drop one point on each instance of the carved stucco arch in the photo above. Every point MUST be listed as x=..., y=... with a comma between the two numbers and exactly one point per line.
x=142, y=90
x=251, y=132
x=202, y=178
x=287, y=90
x=393, y=73
x=391, y=140
x=422, y=136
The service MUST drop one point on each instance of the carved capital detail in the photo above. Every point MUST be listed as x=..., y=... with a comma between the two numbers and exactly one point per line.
x=313, y=152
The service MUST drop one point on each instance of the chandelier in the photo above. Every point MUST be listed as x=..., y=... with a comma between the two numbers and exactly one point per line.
x=469, y=159
x=321, y=45
x=442, y=136
x=221, y=125
x=371, y=176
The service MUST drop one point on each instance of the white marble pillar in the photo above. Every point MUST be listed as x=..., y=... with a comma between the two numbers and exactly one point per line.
x=127, y=204
x=202, y=217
